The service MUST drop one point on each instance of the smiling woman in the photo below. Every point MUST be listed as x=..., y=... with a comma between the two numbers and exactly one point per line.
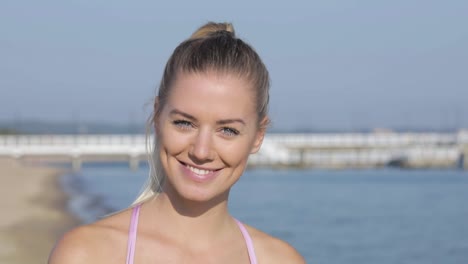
x=204, y=150
x=209, y=116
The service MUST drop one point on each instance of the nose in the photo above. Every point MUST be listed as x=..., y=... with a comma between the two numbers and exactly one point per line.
x=202, y=148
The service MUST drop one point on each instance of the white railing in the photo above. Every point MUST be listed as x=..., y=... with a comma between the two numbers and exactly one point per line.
x=368, y=140
x=286, y=149
x=72, y=145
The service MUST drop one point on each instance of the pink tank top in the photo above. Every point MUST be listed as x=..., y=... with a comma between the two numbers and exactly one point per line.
x=132, y=235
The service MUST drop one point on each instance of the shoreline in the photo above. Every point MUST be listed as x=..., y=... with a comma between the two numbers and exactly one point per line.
x=35, y=213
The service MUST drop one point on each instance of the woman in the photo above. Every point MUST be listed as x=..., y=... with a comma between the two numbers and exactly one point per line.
x=209, y=116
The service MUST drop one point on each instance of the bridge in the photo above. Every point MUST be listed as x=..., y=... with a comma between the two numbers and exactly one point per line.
x=363, y=150
x=337, y=150
x=75, y=148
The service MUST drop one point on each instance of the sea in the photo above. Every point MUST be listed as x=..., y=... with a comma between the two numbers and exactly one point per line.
x=365, y=216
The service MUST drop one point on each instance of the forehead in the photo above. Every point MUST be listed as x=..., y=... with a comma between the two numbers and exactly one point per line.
x=215, y=94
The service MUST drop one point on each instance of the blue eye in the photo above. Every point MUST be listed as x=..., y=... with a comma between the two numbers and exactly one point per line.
x=184, y=124
x=229, y=131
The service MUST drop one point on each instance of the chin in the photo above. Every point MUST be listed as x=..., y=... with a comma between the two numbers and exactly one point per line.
x=183, y=189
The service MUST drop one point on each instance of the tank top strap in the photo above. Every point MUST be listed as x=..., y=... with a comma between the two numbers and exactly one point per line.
x=132, y=234
x=248, y=242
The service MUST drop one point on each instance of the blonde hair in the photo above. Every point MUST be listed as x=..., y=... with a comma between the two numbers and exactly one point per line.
x=213, y=47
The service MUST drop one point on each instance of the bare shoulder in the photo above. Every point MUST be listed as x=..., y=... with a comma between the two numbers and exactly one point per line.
x=93, y=243
x=270, y=249
x=75, y=246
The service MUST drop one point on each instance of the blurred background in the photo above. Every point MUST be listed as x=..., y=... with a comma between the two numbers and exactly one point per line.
x=380, y=86
x=335, y=65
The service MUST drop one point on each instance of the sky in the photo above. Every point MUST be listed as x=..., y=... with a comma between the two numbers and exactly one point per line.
x=343, y=65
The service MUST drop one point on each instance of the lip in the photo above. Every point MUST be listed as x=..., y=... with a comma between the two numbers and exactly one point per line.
x=201, y=178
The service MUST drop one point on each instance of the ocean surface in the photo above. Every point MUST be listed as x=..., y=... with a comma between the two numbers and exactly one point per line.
x=384, y=216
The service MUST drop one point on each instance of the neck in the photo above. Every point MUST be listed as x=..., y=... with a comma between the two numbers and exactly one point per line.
x=186, y=219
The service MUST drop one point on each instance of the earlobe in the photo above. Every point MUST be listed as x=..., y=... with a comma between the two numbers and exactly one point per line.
x=260, y=135
x=258, y=142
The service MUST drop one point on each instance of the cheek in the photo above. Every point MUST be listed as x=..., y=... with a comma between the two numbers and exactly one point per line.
x=234, y=153
x=171, y=142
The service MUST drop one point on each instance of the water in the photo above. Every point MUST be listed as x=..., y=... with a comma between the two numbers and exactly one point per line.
x=344, y=216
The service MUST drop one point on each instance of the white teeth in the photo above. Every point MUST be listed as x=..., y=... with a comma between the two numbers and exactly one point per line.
x=198, y=171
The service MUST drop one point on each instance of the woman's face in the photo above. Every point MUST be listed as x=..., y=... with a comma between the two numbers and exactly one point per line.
x=206, y=131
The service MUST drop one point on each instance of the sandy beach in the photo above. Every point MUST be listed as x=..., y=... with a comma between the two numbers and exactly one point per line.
x=34, y=212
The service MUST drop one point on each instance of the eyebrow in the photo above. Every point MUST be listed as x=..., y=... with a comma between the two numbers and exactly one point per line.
x=178, y=112
x=219, y=122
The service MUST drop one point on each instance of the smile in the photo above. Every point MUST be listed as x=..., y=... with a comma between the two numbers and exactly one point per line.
x=198, y=171
x=199, y=174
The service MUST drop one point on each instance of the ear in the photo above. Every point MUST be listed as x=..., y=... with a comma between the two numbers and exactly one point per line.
x=260, y=135
x=156, y=114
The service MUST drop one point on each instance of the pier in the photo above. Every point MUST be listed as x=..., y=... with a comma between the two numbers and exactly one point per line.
x=365, y=150
x=76, y=149
x=338, y=150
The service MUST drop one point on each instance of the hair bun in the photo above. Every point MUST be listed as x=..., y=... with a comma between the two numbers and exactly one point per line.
x=211, y=29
